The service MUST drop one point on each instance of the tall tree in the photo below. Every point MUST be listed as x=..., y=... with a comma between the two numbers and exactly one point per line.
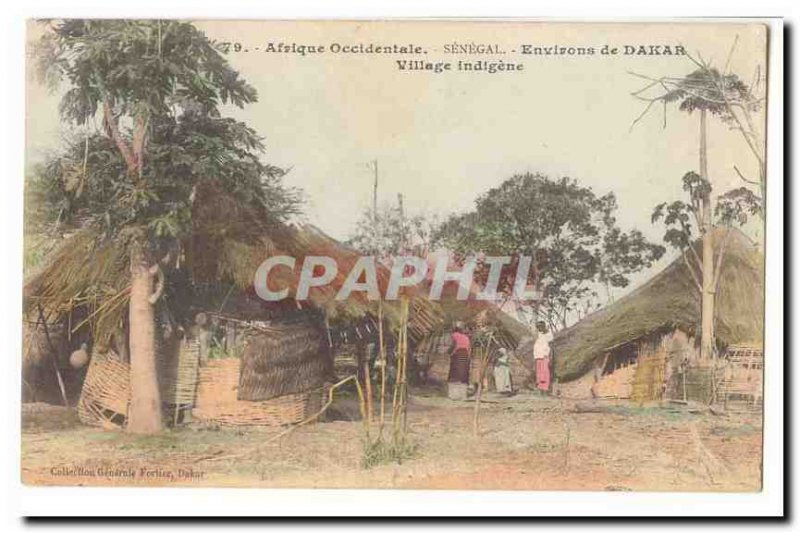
x=157, y=88
x=570, y=233
x=684, y=220
x=388, y=231
x=725, y=95
x=708, y=91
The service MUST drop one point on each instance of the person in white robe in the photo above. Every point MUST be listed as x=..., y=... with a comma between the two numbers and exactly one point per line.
x=502, y=372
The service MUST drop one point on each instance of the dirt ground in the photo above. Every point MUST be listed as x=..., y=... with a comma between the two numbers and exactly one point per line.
x=526, y=442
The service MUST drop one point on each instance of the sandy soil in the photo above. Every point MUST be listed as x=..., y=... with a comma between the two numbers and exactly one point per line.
x=525, y=442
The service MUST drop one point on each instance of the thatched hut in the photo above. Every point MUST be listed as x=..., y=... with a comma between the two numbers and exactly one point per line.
x=478, y=317
x=283, y=356
x=644, y=346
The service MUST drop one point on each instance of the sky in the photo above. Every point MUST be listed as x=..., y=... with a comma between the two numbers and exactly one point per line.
x=443, y=139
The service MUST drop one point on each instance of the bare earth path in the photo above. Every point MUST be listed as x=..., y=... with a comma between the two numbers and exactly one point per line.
x=526, y=443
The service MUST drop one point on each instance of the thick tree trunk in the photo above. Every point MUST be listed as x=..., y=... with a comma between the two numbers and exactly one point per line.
x=707, y=310
x=144, y=414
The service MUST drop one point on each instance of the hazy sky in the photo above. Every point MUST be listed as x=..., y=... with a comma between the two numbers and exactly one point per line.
x=443, y=139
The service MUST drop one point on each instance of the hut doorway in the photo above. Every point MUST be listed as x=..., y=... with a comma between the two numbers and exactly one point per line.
x=616, y=373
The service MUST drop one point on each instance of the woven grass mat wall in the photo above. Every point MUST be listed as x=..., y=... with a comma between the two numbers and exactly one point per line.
x=648, y=382
x=217, y=400
x=178, y=362
x=283, y=359
x=618, y=384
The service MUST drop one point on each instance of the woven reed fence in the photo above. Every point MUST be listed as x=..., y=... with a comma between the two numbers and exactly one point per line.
x=650, y=376
x=433, y=353
x=218, y=400
x=283, y=359
x=178, y=364
x=699, y=383
x=741, y=378
x=105, y=395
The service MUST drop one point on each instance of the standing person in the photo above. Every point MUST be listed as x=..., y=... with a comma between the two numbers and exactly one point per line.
x=502, y=373
x=460, y=351
x=541, y=356
x=202, y=334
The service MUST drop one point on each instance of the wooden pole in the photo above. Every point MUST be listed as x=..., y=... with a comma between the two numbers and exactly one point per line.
x=367, y=382
x=404, y=365
x=53, y=353
x=382, y=355
x=484, y=364
x=375, y=192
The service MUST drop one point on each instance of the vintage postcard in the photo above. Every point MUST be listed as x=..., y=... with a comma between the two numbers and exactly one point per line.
x=405, y=254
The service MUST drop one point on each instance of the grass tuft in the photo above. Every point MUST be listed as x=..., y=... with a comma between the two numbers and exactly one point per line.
x=379, y=452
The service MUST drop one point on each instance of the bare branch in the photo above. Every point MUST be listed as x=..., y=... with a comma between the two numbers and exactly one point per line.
x=730, y=54
x=696, y=257
x=113, y=131
x=650, y=85
x=756, y=81
x=739, y=172
x=691, y=271
x=641, y=115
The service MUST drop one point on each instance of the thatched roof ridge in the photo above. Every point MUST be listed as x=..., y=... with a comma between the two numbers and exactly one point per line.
x=671, y=301
x=69, y=278
x=84, y=270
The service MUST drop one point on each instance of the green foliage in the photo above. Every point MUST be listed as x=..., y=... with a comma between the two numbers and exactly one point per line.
x=391, y=232
x=35, y=249
x=682, y=219
x=158, y=86
x=380, y=452
x=138, y=66
x=736, y=206
x=570, y=232
x=217, y=350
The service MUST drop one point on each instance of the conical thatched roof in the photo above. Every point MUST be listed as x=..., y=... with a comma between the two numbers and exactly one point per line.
x=670, y=301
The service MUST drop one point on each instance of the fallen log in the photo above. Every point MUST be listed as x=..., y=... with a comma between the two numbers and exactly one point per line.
x=591, y=408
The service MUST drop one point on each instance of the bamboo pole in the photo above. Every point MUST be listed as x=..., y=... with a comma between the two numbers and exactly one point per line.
x=399, y=406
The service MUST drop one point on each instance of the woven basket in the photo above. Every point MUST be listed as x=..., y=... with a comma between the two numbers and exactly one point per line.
x=105, y=395
x=217, y=400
